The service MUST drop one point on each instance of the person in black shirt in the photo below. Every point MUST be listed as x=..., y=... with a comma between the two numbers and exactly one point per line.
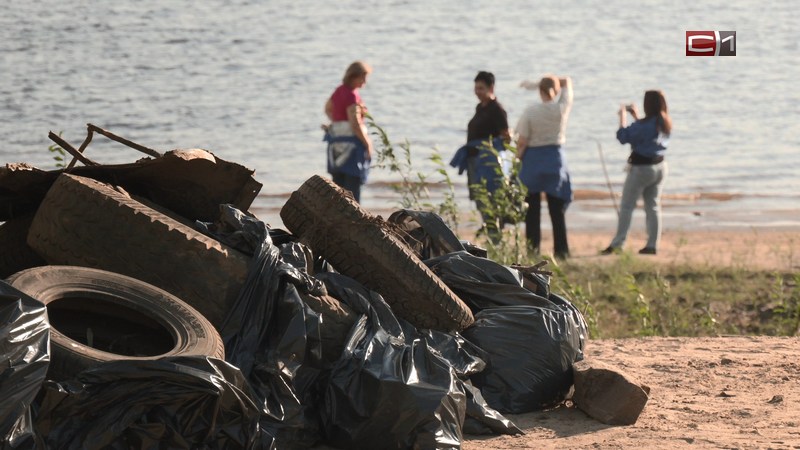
x=481, y=162
x=490, y=121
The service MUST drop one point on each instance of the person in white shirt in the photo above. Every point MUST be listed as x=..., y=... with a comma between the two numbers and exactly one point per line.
x=541, y=134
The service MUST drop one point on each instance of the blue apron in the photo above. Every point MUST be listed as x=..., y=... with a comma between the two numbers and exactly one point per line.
x=487, y=162
x=347, y=155
x=544, y=169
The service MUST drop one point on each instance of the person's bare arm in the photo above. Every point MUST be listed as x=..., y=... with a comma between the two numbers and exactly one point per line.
x=623, y=122
x=566, y=92
x=329, y=109
x=522, y=144
x=633, y=110
x=356, y=120
x=505, y=134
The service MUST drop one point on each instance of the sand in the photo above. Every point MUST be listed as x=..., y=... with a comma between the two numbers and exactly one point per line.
x=737, y=392
x=757, y=248
x=733, y=392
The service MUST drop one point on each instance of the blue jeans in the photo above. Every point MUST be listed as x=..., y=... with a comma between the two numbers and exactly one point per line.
x=645, y=181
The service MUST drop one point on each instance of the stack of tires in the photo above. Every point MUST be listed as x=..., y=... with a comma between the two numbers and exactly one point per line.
x=128, y=279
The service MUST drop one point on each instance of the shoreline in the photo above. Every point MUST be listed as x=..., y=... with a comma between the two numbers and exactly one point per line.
x=710, y=229
x=593, y=210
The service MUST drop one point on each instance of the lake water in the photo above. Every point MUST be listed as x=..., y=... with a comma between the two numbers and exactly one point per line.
x=248, y=80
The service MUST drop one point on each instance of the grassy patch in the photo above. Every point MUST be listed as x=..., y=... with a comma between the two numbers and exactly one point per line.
x=629, y=297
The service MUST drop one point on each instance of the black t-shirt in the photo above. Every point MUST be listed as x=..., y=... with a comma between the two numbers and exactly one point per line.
x=489, y=120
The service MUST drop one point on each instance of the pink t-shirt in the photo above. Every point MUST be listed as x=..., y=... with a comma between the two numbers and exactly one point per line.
x=342, y=98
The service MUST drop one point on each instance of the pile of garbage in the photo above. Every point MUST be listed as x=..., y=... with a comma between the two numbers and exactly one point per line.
x=144, y=306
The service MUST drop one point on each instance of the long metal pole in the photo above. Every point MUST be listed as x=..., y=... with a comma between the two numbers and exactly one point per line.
x=608, y=181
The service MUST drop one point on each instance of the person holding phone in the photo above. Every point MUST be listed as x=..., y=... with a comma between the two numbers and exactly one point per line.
x=647, y=170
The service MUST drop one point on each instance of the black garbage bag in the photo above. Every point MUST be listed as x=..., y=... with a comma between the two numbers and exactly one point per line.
x=274, y=337
x=391, y=388
x=175, y=402
x=24, y=357
x=428, y=235
x=482, y=419
x=425, y=233
x=466, y=359
x=482, y=283
x=529, y=352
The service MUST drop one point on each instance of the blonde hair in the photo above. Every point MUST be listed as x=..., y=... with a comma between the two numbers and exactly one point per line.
x=355, y=70
x=549, y=86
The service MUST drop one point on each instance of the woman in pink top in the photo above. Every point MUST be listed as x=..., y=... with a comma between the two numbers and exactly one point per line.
x=349, y=147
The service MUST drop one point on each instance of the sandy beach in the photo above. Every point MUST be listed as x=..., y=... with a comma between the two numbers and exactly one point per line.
x=738, y=392
x=755, y=248
x=734, y=392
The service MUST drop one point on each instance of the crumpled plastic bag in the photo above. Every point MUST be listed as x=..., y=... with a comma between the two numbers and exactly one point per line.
x=273, y=336
x=425, y=232
x=174, y=402
x=482, y=283
x=390, y=387
x=529, y=353
x=24, y=358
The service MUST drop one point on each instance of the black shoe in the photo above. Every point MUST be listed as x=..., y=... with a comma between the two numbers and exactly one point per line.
x=647, y=251
x=561, y=255
x=610, y=250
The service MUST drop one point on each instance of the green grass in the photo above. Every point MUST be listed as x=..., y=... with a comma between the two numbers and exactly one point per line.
x=629, y=297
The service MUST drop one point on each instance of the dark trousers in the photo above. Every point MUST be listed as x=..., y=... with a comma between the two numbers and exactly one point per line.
x=349, y=182
x=533, y=232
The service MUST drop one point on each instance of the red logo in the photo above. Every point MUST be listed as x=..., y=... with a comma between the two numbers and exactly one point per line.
x=710, y=43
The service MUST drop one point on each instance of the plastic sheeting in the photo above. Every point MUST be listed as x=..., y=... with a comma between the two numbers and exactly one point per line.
x=390, y=386
x=482, y=283
x=482, y=419
x=529, y=352
x=25, y=356
x=273, y=337
x=426, y=233
x=174, y=402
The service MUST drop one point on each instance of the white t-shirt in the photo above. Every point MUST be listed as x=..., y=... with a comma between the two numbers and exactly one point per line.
x=546, y=123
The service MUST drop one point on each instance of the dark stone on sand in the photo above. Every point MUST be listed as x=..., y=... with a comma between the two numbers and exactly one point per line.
x=608, y=394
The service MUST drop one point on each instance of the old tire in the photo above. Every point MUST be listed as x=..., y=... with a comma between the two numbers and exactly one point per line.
x=84, y=222
x=98, y=316
x=15, y=253
x=362, y=247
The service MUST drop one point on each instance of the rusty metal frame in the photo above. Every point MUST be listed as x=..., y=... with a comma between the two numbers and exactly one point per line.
x=77, y=154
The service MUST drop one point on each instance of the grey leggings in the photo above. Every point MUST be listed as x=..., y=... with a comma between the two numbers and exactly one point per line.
x=645, y=181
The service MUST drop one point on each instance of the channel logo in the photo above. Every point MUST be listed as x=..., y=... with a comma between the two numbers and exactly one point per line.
x=710, y=43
